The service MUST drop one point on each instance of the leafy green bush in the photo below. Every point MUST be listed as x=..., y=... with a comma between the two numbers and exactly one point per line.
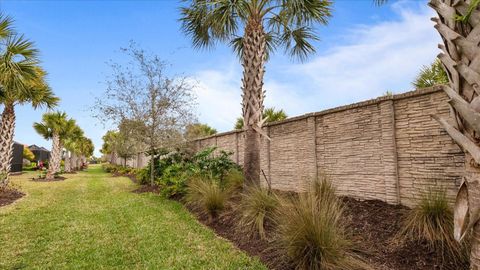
x=173, y=170
x=110, y=168
x=173, y=182
x=207, y=164
x=206, y=196
x=431, y=221
x=161, y=162
x=311, y=232
x=257, y=207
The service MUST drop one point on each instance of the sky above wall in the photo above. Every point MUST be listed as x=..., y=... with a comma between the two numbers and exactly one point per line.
x=364, y=52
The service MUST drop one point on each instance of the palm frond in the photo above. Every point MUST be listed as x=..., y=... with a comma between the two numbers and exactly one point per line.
x=43, y=130
x=304, y=12
x=6, y=28
x=379, y=2
x=296, y=42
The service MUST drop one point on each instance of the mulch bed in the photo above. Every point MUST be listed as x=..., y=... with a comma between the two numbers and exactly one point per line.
x=9, y=195
x=373, y=225
x=57, y=178
x=147, y=188
x=226, y=226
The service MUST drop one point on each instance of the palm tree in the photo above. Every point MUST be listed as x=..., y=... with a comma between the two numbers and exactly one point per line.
x=269, y=114
x=197, y=130
x=70, y=143
x=109, y=146
x=255, y=28
x=85, y=150
x=431, y=75
x=57, y=127
x=21, y=82
x=458, y=23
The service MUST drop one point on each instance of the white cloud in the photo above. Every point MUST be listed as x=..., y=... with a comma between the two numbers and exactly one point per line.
x=380, y=57
x=375, y=58
x=219, y=97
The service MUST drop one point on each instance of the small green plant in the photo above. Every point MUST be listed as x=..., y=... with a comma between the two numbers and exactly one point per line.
x=206, y=196
x=311, y=232
x=257, y=207
x=431, y=221
x=210, y=165
x=173, y=182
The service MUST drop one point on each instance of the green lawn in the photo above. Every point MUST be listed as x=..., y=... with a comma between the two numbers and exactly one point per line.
x=94, y=221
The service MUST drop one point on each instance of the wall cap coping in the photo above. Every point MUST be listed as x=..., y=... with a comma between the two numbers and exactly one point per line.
x=409, y=94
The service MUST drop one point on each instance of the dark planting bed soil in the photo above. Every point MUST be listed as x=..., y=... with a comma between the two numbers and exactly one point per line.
x=373, y=225
x=9, y=195
x=57, y=178
x=147, y=188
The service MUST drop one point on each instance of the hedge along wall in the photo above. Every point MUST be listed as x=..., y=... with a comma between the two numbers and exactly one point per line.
x=387, y=148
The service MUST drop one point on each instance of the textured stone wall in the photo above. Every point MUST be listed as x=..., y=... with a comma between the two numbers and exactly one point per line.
x=387, y=148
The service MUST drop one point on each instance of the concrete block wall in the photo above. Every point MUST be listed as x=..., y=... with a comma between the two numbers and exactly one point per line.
x=387, y=148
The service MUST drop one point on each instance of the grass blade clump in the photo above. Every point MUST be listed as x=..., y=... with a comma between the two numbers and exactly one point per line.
x=257, y=208
x=431, y=221
x=206, y=196
x=311, y=232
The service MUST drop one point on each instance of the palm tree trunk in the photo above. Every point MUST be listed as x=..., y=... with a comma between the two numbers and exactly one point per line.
x=67, y=162
x=461, y=59
x=6, y=142
x=54, y=165
x=73, y=160
x=253, y=61
x=113, y=158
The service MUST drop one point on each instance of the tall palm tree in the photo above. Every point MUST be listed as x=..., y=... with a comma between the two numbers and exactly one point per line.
x=21, y=81
x=109, y=147
x=255, y=28
x=85, y=148
x=458, y=23
x=56, y=127
x=70, y=143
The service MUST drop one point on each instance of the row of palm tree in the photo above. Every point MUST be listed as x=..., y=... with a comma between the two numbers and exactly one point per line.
x=22, y=81
x=65, y=134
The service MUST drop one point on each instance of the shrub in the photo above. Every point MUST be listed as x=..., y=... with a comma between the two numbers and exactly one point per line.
x=206, y=164
x=206, y=196
x=257, y=207
x=173, y=181
x=431, y=221
x=311, y=232
x=161, y=162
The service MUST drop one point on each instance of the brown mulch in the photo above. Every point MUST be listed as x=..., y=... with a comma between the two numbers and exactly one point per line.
x=373, y=226
x=9, y=195
x=226, y=226
x=57, y=178
x=147, y=188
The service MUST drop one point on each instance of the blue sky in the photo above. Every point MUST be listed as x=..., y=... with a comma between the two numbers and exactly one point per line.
x=363, y=52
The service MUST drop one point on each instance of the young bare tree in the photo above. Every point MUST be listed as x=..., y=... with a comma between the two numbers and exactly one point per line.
x=143, y=92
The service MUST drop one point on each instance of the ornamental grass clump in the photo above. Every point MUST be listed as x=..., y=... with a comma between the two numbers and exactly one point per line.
x=206, y=196
x=257, y=209
x=431, y=222
x=311, y=232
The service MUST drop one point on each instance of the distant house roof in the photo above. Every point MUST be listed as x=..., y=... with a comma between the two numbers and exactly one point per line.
x=34, y=147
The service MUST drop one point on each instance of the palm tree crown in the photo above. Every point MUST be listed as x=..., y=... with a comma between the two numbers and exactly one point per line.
x=55, y=123
x=285, y=23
